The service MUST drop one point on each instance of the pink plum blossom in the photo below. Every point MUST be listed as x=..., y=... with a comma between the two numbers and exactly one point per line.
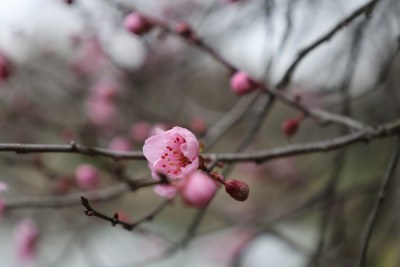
x=120, y=143
x=241, y=83
x=198, y=189
x=26, y=237
x=87, y=176
x=140, y=131
x=174, y=153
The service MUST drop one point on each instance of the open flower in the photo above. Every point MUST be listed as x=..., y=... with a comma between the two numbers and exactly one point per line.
x=174, y=153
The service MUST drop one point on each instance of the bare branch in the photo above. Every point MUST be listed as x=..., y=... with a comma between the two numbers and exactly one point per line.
x=364, y=9
x=373, y=216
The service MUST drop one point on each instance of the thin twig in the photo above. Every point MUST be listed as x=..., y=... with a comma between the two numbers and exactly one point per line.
x=74, y=199
x=114, y=220
x=373, y=216
x=364, y=9
x=365, y=135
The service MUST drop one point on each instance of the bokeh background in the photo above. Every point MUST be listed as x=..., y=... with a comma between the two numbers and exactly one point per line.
x=302, y=211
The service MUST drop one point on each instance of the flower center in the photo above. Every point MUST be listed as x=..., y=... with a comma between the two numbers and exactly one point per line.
x=173, y=160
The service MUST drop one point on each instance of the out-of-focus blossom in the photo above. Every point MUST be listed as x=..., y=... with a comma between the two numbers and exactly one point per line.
x=105, y=89
x=140, y=131
x=158, y=128
x=90, y=59
x=26, y=236
x=120, y=143
x=101, y=113
x=87, y=176
x=198, y=125
x=198, y=189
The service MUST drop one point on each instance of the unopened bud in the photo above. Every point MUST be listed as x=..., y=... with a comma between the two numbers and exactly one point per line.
x=290, y=126
x=237, y=189
x=137, y=23
x=241, y=83
x=185, y=30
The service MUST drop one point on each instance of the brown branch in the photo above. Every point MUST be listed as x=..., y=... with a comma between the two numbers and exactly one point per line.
x=71, y=148
x=364, y=9
x=114, y=220
x=359, y=136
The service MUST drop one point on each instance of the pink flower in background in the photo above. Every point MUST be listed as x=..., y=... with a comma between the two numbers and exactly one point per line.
x=105, y=89
x=120, y=143
x=26, y=236
x=198, y=189
x=87, y=176
x=140, y=131
x=198, y=125
x=174, y=153
x=101, y=113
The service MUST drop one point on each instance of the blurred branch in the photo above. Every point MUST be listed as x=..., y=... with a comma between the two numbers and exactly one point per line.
x=364, y=9
x=373, y=216
x=74, y=199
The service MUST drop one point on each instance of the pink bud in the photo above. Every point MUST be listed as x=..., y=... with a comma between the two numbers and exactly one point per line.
x=101, y=113
x=86, y=176
x=106, y=90
x=241, y=83
x=120, y=143
x=62, y=185
x=137, y=23
x=140, y=131
x=185, y=30
x=237, y=189
x=198, y=125
x=290, y=126
x=26, y=237
x=5, y=67
x=198, y=190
